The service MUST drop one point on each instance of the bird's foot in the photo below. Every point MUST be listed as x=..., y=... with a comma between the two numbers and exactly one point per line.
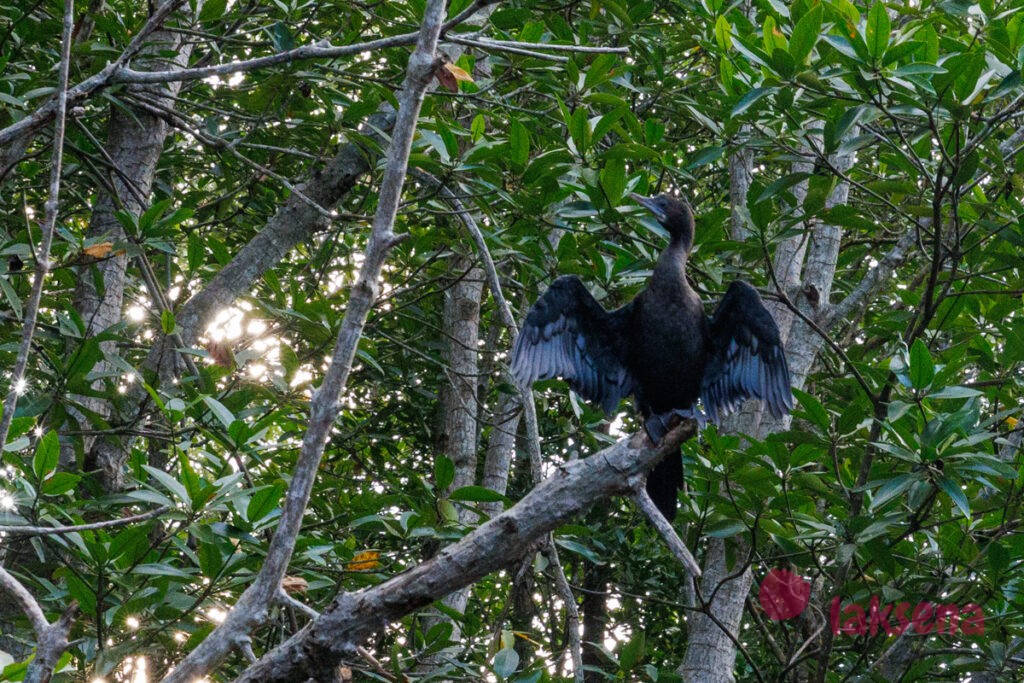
x=659, y=424
x=691, y=413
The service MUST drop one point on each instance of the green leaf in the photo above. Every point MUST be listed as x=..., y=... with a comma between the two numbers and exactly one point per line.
x=891, y=489
x=955, y=392
x=477, y=128
x=263, y=502
x=444, y=472
x=505, y=662
x=212, y=9
x=633, y=652
x=750, y=99
x=217, y=408
x=922, y=369
x=815, y=411
x=705, y=157
x=725, y=528
x=956, y=494
x=805, y=35
x=876, y=33
x=598, y=71
x=723, y=33
x=968, y=167
x=196, y=251
x=579, y=549
x=476, y=494
x=167, y=323
x=519, y=144
x=771, y=36
x=613, y=179
x=782, y=184
x=60, y=483
x=47, y=455
x=169, y=483
x=579, y=129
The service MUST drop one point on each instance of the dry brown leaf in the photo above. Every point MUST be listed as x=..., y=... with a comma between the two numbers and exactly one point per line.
x=364, y=561
x=294, y=584
x=459, y=73
x=98, y=250
x=447, y=80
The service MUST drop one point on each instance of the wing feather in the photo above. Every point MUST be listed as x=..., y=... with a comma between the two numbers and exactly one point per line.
x=746, y=358
x=568, y=334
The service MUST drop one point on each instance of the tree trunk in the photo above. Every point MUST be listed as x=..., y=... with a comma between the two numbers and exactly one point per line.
x=135, y=140
x=460, y=399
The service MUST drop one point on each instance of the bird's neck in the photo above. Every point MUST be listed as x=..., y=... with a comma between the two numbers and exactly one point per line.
x=670, y=271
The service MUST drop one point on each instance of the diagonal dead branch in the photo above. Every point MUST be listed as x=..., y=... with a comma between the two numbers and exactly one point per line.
x=353, y=617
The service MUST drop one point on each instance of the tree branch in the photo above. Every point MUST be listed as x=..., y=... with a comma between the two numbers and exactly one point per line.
x=60, y=530
x=871, y=283
x=42, y=257
x=664, y=527
x=252, y=607
x=31, y=123
x=353, y=617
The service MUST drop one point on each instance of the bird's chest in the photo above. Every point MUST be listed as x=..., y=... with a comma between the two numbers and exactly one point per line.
x=669, y=350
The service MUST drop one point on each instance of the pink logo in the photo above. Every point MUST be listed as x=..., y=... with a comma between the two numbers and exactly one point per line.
x=783, y=594
x=925, y=617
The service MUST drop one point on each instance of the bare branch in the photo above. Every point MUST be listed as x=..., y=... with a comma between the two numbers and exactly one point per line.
x=42, y=257
x=28, y=604
x=551, y=47
x=31, y=123
x=871, y=283
x=321, y=50
x=664, y=527
x=252, y=607
x=59, y=530
x=491, y=45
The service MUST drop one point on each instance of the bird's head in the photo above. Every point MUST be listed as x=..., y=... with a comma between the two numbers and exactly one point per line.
x=674, y=214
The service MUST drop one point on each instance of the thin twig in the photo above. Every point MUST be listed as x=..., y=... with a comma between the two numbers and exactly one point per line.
x=19, y=530
x=42, y=257
x=572, y=612
x=489, y=45
x=675, y=544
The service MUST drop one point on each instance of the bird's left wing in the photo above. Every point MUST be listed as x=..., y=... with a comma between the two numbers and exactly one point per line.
x=568, y=334
x=745, y=358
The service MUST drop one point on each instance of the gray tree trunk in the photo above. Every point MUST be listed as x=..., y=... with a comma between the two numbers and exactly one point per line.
x=459, y=434
x=804, y=266
x=135, y=140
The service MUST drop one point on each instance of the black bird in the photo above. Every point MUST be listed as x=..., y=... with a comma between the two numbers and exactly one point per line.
x=660, y=347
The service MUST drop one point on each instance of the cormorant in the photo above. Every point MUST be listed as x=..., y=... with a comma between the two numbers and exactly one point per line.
x=660, y=347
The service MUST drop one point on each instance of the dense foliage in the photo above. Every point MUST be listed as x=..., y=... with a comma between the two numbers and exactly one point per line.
x=896, y=479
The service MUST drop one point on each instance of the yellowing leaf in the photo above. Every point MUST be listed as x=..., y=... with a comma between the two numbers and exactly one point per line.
x=364, y=561
x=459, y=73
x=527, y=638
x=98, y=250
x=1011, y=422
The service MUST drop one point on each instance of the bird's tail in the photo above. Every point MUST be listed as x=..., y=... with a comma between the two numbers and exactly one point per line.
x=664, y=482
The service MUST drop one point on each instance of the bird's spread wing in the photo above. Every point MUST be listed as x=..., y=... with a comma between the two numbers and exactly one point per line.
x=745, y=358
x=568, y=334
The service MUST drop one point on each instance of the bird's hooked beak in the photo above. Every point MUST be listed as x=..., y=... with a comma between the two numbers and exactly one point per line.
x=649, y=204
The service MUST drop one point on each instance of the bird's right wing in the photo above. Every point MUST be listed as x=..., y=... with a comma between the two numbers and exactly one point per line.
x=568, y=334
